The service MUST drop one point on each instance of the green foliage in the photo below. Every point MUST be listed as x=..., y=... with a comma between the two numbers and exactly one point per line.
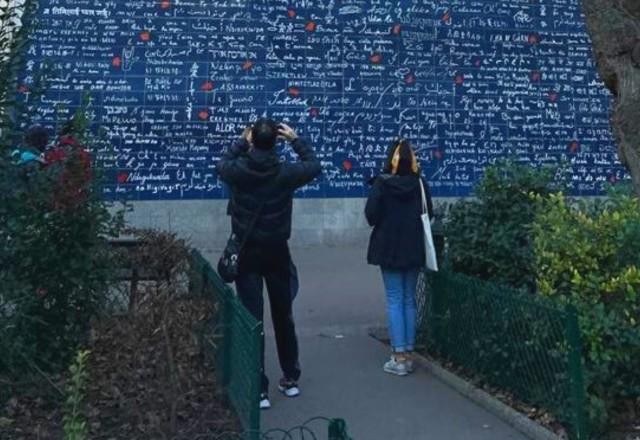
x=55, y=263
x=590, y=257
x=75, y=423
x=489, y=237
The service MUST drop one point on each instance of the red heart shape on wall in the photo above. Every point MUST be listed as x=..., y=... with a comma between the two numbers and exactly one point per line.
x=375, y=58
x=574, y=147
x=248, y=65
x=533, y=39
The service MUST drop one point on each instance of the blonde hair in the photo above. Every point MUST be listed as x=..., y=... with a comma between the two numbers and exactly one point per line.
x=395, y=159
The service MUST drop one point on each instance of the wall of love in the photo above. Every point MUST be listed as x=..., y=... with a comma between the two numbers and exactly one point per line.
x=470, y=82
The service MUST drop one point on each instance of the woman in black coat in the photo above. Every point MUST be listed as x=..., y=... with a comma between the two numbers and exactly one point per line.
x=394, y=210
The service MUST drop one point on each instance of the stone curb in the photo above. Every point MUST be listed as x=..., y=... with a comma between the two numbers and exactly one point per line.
x=509, y=415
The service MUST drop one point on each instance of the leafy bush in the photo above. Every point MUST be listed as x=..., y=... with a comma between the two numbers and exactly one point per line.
x=54, y=260
x=591, y=258
x=55, y=264
x=489, y=237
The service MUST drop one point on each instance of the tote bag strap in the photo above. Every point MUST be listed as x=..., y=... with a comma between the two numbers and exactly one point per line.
x=425, y=210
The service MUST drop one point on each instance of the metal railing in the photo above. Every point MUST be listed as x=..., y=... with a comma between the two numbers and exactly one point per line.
x=233, y=338
x=518, y=343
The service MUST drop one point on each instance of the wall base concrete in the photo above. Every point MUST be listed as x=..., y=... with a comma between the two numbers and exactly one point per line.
x=316, y=222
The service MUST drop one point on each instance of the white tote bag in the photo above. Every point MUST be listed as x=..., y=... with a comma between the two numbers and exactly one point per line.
x=430, y=248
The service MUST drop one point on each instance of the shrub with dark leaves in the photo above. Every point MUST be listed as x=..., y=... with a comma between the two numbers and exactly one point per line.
x=55, y=265
x=490, y=237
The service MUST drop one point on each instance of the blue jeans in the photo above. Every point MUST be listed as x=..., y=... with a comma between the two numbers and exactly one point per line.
x=401, y=307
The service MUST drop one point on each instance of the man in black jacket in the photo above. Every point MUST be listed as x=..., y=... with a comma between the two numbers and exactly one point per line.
x=262, y=189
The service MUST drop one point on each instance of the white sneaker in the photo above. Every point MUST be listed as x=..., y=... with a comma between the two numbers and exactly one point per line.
x=393, y=366
x=264, y=401
x=289, y=388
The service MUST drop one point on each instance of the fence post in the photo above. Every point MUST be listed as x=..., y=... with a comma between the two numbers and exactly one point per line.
x=338, y=430
x=435, y=319
x=256, y=382
x=204, y=280
x=227, y=338
x=576, y=374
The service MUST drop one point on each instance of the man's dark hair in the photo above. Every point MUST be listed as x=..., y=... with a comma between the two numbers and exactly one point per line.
x=264, y=134
x=37, y=137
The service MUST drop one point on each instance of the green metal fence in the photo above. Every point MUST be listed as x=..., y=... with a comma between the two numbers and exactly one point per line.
x=234, y=339
x=518, y=343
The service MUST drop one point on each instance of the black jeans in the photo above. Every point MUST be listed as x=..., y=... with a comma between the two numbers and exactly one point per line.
x=272, y=264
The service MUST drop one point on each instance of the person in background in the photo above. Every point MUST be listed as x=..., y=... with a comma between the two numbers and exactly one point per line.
x=262, y=189
x=394, y=208
x=32, y=152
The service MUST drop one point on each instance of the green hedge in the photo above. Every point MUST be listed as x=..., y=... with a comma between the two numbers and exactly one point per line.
x=590, y=257
x=522, y=233
x=489, y=237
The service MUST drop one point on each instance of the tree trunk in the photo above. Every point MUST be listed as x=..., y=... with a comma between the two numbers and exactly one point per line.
x=614, y=26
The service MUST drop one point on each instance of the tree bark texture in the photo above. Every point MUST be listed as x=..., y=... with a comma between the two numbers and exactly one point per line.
x=614, y=26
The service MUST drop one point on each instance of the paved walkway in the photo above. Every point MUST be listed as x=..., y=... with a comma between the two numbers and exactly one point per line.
x=340, y=298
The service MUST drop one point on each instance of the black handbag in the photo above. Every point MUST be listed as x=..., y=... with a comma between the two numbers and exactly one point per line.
x=229, y=263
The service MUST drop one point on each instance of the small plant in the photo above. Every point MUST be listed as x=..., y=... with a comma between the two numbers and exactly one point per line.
x=75, y=423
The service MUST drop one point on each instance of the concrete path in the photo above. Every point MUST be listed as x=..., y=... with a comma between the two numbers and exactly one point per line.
x=340, y=298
